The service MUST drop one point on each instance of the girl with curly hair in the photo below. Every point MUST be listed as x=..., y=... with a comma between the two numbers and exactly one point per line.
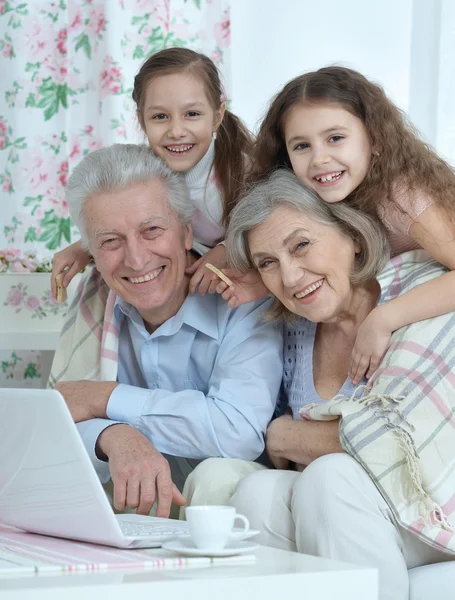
x=345, y=140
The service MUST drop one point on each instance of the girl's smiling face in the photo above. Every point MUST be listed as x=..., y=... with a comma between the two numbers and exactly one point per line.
x=179, y=120
x=328, y=147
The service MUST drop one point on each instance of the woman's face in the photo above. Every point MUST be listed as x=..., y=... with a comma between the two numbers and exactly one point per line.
x=305, y=264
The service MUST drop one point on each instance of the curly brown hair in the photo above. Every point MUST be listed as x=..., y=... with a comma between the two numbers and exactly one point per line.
x=233, y=144
x=399, y=156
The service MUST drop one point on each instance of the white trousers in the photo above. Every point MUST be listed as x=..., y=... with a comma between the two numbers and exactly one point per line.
x=214, y=481
x=333, y=510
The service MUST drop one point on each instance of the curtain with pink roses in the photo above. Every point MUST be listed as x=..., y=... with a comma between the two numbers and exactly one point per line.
x=66, y=76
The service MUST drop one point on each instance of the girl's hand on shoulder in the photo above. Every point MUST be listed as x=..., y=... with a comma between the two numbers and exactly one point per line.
x=75, y=257
x=203, y=280
x=373, y=339
x=247, y=288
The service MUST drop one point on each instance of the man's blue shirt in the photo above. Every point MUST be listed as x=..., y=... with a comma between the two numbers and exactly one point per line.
x=203, y=384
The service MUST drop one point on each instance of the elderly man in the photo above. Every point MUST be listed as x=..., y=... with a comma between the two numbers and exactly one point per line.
x=170, y=373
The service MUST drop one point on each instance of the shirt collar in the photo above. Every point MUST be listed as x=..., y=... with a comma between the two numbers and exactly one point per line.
x=198, y=312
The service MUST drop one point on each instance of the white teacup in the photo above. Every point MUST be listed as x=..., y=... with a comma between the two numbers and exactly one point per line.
x=211, y=526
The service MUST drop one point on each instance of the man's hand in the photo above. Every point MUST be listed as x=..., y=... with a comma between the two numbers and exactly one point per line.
x=86, y=399
x=139, y=472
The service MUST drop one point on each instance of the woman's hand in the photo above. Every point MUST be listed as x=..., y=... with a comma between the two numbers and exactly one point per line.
x=275, y=441
x=75, y=257
x=300, y=441
x=203, y=280
x=373, y=338
x=247, y=288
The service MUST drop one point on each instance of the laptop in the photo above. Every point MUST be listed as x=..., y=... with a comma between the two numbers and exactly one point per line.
x=48, y=484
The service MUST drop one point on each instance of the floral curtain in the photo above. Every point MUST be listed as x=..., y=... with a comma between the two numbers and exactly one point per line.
x=66, y=76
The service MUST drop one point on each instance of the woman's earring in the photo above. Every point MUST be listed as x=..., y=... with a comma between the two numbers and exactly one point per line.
x=214, y=136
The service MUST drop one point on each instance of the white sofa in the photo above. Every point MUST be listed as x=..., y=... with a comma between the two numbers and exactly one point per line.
x=433, y=582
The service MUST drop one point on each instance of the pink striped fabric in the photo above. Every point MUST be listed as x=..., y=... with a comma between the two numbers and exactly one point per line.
x=402, y=429
x=44, y=554
x=88, y=345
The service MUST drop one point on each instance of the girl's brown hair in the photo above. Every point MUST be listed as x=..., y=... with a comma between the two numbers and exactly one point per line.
x=398, y=155
x=233, y=144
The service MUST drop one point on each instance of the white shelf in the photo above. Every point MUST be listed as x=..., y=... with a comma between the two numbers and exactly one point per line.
x=29, y=340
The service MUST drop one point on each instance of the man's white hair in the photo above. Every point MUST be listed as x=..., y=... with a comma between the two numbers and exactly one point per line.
x=118, y=167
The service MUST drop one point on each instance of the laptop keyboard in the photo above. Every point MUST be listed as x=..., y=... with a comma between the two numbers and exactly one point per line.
x=155, y=531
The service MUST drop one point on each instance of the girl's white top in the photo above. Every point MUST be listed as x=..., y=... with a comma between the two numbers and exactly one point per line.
x=207, y=199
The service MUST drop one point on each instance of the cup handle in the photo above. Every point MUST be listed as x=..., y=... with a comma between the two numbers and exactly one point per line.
x=239, y=535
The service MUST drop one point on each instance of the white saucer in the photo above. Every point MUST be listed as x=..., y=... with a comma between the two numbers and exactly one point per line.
x=187, y=548
x=237, y=535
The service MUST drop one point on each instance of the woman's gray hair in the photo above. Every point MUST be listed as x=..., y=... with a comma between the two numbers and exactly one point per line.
x=118, y=167
x=282, y=188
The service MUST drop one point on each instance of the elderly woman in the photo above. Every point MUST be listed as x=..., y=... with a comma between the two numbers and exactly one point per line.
x=367, y=477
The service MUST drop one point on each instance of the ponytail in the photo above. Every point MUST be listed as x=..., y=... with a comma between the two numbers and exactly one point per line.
x=233, y=148
x=234, y=143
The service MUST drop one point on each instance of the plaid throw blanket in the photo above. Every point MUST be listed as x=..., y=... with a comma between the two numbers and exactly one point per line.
x=88, y=344
x=402, y=429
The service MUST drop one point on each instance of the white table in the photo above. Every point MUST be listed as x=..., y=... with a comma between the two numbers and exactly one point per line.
x=276, y=574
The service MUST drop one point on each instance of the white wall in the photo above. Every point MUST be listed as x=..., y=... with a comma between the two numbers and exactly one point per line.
x=273, y=41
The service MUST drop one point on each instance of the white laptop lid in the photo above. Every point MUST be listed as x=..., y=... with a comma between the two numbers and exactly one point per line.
x=47, y=482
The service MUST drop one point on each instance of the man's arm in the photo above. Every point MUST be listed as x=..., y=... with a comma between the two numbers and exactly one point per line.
x=229, y=420
x=90, y=432
x=140, y=474
x=87, y=401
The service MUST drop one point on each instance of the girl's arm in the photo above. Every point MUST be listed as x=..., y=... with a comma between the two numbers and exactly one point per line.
x=75, y=257
x=301, y=442
x=203, y=280
x=247, y=288
x=433, y=230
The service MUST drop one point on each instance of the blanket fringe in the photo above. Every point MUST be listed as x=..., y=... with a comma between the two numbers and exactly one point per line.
x=380, y=404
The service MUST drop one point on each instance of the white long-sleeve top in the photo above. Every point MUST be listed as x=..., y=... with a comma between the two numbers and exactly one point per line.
x=207, y=199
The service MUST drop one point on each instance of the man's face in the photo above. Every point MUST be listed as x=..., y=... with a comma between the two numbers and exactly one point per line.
x=140, y=248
